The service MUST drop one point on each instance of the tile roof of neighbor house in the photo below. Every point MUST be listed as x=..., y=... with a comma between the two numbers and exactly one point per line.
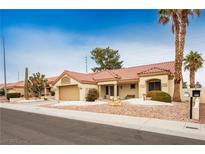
x=123, y=74
x=8, y=85
x=1, y=85
x=51, y=79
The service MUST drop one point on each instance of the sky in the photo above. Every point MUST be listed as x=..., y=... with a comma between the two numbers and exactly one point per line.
x=51, y=41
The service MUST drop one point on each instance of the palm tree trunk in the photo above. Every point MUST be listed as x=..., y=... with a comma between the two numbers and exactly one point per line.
x=179, y=58
x=176, y=96
x=192, y=78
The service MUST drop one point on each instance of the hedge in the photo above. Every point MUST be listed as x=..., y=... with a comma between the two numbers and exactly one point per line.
x=52, y=93
x=159, y=96
x=13, y=95
x=1, y=92
x=92, y=95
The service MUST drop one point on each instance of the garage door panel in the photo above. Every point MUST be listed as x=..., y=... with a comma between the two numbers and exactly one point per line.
x=70, y=93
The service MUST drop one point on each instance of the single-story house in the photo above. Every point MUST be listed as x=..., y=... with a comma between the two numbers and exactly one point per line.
x=14, y=87
x=116, y=83
x=19, y=86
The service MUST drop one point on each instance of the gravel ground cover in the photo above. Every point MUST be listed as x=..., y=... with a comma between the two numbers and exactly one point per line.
x=176, y=111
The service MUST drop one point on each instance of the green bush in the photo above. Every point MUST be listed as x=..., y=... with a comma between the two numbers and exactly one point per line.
x=2, y=92
x=13, y=95
x=160, y=96
x=92, y=95
x=52, y=93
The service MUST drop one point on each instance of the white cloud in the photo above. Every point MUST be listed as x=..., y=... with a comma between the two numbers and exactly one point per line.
x=51, y=51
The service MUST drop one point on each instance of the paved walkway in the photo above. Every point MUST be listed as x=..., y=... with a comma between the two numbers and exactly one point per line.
x=182, y=129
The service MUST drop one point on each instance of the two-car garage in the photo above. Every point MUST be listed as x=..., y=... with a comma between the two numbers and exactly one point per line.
x=69, y=93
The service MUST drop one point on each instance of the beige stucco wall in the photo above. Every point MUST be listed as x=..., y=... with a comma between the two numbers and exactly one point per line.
x=171, y=87
x=18, y=90
x=166, y=84
x=107, y=83
x=126, y=90
x=202, y=98
x=84, y=90
x=83, y=87
x=123, y=92
x=103, y=91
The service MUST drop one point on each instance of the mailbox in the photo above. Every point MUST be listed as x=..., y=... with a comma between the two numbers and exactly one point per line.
x=196, y=93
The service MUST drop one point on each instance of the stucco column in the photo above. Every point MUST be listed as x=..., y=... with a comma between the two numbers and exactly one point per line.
x=100, y=92
x=115, y=91
x=142, y=87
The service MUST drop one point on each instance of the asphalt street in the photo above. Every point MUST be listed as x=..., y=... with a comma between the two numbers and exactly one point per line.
x=24, y=128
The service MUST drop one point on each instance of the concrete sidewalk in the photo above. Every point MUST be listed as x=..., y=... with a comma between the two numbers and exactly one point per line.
x=176, y=128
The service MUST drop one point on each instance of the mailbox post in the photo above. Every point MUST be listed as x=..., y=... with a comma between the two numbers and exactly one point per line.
x=195, y=93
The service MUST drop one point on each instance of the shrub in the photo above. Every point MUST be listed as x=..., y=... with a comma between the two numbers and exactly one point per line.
x=13, y=95
x=160, y=96
x=2, y=92
x=92, y=95
x=52, y=93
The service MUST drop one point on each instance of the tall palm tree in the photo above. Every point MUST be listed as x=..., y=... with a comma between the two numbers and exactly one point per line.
x=180, y=20
x=166, y=16
x=184, y=15
x=192, y=62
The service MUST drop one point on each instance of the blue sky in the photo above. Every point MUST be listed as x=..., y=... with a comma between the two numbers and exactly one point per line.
x=50, y=41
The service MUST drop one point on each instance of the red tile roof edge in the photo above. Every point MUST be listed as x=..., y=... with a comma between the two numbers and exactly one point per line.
x=148, y=71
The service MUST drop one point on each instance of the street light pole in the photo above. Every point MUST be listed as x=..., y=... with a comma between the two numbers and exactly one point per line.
x=4, y=59
x=86, y=64
x=4, y=54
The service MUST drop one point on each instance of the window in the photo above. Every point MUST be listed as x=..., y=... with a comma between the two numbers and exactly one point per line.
x=107, y=90
x=65, y=80
x=132, y=86
x=154, y=86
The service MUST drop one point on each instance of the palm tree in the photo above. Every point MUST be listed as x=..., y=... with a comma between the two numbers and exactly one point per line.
x=192, y=62
x=180, y=20
x=166, y=16
x=184, y=15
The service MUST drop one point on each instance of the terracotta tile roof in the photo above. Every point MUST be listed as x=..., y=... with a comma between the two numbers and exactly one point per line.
x=51, y=79
x=123, y=74
x=154, y=70
x=132, y=73
x=9, y=85
x=19, y=84
x=1, y=85
x=105, y=75
x=81, y=77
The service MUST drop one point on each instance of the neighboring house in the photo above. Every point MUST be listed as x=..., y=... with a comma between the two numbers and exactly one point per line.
x=19, y=86
x=1, y=85
x=14, y=87
x=117, y=83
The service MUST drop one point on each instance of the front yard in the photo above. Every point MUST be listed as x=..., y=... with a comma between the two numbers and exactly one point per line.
x=174, y=111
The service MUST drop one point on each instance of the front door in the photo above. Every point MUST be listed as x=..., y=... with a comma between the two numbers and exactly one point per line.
x=111, y=90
